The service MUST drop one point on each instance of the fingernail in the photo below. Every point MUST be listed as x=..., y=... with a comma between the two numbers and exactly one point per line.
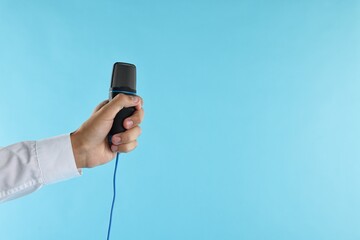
x=116, y=140
x=130, y=123
x=135, y=99
x=114, y=148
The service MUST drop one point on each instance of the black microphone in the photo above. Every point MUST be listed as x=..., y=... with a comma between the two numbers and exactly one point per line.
x=123, y=81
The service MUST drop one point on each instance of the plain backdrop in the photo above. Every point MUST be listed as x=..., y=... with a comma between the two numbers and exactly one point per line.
x=252, y=117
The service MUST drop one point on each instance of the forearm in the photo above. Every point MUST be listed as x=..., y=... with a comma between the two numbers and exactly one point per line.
x=26, y=166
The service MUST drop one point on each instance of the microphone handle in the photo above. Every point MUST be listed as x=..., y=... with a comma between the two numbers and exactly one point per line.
x=118, y=125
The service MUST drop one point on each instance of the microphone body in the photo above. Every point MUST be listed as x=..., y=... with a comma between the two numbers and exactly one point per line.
x=123, y=81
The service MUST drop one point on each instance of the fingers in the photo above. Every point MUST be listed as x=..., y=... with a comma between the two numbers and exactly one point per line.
x=110, y=109
x=134, y=120
x=127, y=136
x=124, y=147
x=126, y=141
x=139, y=106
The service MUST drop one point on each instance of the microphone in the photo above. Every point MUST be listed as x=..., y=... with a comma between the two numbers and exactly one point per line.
x=123, y=80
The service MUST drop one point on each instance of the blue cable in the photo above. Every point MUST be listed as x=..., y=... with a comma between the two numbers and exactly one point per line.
x=114, y=196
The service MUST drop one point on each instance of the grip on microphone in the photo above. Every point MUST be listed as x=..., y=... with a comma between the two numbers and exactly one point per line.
x=123, y=81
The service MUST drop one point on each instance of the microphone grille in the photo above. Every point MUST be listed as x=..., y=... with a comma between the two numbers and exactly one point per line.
x=124, y=76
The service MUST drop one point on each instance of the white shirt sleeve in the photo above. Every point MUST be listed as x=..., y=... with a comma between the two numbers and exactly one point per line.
x=27, y=166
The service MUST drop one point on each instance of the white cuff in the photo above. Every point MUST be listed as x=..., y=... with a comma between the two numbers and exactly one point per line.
x=56, y=159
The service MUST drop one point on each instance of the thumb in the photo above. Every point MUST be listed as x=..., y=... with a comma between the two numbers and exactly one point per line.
x=98, y=107
x=119, y=102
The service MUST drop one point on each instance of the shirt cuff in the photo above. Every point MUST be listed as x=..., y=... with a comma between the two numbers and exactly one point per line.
x=56, y=159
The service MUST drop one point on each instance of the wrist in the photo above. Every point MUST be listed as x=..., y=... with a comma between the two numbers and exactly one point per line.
x=78, y=149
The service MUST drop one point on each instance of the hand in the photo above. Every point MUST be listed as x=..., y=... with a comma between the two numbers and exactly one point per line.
x=90, y=144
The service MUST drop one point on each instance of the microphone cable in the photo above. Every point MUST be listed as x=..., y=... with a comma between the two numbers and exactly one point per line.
x=114, y=195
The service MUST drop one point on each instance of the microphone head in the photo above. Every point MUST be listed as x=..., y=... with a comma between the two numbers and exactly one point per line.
x=124, y=77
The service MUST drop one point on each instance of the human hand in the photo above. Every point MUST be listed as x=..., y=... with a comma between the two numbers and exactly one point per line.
x=90, y=144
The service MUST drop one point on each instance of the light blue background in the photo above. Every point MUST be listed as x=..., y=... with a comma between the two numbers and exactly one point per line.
x=252, y=117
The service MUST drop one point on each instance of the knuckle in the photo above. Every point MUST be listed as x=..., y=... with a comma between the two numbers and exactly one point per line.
x=125, y=138
x=133, y=134
x=122, y=97
x=127, y=148
x=131, y=146
x=137, y=119
x=123, y=149
x=135, y=114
